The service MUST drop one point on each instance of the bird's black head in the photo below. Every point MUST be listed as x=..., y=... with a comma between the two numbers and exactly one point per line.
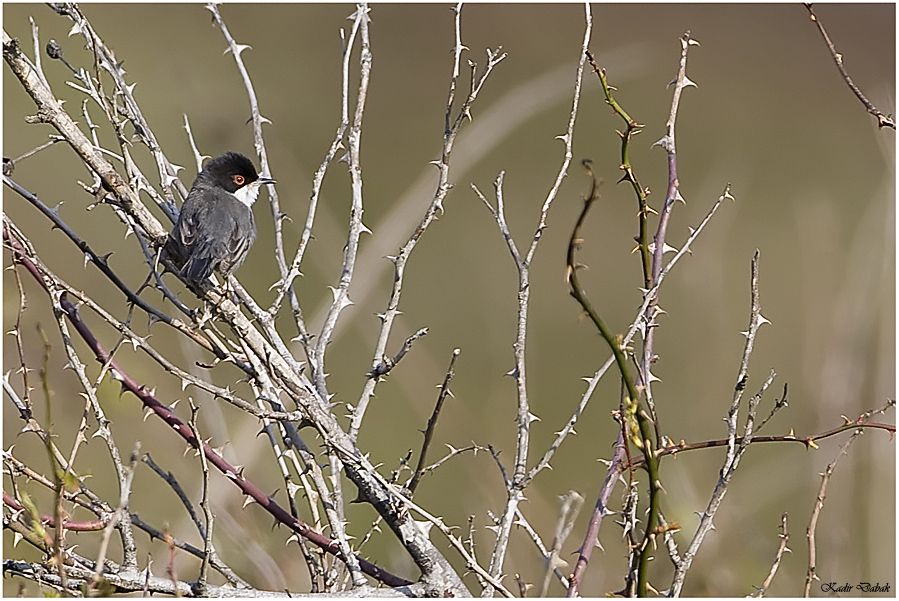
x=231, y=171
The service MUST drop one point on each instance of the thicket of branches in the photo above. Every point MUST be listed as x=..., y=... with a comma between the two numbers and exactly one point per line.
x=315, y=442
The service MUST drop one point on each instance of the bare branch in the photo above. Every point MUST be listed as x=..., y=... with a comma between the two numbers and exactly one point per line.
x=782, y=548
x=285, y=286
x=524, y=417
x=735, y=449
x=882, y=120
x=258, y=141
x=571, y=505
x=435, y=207
x=432, y=424
x=811, y=573
x=356, y=227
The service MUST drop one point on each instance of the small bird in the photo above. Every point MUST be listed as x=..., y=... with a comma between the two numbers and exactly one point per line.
x=216, y=229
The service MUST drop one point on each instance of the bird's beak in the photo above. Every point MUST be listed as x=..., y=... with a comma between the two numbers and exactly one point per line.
x=265, y=180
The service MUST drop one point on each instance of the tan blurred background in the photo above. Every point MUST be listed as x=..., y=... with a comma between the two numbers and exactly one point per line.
x=814, y=185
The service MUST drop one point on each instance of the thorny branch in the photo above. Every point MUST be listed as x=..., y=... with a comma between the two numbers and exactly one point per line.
x=735, y=449
x=638, y=424
x=432, y=425
x=882, y=120
x=593, y=380
x=632, y=128
x=782, y=548
x=659, y=244
x=356, y=227
x=524, y=418
x=265, y=344
x=434, y=208
x=285, y=286
x=258, y=141
x=147, y=397
x=811, y=572
x=106, y=60
x=275, y=378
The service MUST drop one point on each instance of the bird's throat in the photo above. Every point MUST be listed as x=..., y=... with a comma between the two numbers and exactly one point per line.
x=248, y=194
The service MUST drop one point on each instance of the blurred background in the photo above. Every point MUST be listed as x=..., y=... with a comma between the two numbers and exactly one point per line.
x=813, y=179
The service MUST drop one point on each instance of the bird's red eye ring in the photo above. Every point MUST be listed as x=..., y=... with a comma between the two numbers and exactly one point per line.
x=238, y=179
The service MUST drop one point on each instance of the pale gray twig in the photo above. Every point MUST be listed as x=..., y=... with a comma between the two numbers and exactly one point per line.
x=198, y=158
x=670, y=542
x=141, y=342
x=50, y=111
x=258, y=141
x=140, y=581
x=571, y=506
x=541, y=547
x=35, y=38
x=124, y=475
x=882, y=120
x=434, y=208
x=105, y=58
x=299, y=457
x=356, y=227
x=54, y=139
x=470, y=562
x=432, y=424
x=453, y=452
x=389, y=363
x=520, y=474
x=120, y=522
x=782, y=548
x=285, y=285
x=735, y=449
x=658, y=246
x=811, y=573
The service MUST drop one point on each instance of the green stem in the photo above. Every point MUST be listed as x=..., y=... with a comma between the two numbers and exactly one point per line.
x=632, y=128
x=645, y=443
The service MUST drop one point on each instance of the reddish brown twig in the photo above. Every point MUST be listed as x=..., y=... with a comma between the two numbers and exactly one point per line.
x=49, y=520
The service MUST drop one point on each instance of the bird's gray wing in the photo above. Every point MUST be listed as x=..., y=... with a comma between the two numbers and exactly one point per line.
x=242, y=237
x=203, y=230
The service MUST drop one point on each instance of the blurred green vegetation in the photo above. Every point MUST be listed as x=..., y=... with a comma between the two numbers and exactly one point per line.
x=814, y=185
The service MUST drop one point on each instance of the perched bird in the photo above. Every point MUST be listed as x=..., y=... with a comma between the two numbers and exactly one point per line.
x=216, y=229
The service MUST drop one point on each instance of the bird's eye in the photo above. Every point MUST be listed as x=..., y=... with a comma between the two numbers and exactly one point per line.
x=238, y=179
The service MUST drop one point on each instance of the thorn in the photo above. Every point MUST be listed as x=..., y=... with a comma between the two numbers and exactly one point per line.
x=425, y=526
x=238, y=48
